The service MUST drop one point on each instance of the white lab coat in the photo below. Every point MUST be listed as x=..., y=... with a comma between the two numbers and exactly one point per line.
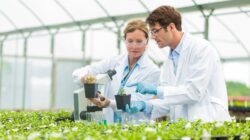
x=198, y=89
x=146, y=72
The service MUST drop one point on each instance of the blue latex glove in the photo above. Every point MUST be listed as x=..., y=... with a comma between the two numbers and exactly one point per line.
x=144, y=88
x=135, y=106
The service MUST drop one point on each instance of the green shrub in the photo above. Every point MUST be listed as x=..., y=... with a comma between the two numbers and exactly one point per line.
x=237, y=89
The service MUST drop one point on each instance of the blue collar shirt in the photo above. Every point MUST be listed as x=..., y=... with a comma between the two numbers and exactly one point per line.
x=175, y=54
x=127, y=73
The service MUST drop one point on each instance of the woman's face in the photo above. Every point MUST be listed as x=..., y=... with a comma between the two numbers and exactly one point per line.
x=136, y=43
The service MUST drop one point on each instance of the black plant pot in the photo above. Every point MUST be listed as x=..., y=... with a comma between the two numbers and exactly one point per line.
x=122, y=101
x=219, y=138
x=90, y=90
x=236, y=137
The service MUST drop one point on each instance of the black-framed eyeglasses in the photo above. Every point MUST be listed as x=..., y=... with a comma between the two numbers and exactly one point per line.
x=154, y=32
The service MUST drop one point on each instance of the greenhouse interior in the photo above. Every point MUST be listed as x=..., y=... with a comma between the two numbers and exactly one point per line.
x=43, y=43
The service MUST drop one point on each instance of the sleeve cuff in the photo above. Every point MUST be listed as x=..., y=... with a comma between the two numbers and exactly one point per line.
x=160, y=92
x=113, y=105
x=148, y=108
x=77, y=74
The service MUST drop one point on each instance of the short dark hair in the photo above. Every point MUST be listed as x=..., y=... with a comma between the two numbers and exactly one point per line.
x=164, y=15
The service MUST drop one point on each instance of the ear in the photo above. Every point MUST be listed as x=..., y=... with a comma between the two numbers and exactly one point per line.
x=172, y=26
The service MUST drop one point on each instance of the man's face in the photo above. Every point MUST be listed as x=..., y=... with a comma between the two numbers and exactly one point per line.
x=161, y=35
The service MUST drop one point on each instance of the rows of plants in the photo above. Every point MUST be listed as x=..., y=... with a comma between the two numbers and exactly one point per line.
x=239, y=97
x=50, y=125
x=240, y=101
x=239, y=104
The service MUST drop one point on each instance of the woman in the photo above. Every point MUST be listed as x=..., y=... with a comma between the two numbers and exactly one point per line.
x=134, y=66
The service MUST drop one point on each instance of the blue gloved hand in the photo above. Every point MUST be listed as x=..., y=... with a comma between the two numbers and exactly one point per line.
x=144, y=88
x=135, y=106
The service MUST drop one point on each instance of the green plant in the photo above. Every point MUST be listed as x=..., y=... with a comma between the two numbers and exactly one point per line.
x=43, y=125
x=89, y=79
x=121, y=91
x=237, y=89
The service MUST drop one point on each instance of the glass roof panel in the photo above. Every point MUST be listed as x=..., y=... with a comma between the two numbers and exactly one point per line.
x=194, y=24
x=48, y=11
x=4, y=24
x=83, y=9
x=208, y=1
x=18, y=14
x=51, y=13
x=151, y=5
x=240, y=30
x=122, y=7
x=227, y=10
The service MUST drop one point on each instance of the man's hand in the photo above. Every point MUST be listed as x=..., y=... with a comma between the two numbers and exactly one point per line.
x=135, y=106
x=144, y=88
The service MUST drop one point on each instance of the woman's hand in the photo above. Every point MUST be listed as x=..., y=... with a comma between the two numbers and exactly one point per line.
x=101, y=102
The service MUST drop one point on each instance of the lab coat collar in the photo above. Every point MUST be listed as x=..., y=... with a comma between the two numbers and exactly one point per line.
x=184, y=40
x=123, y=62
x=182, y=46
x=178, y=49
x=185, y=43
x=142, y=62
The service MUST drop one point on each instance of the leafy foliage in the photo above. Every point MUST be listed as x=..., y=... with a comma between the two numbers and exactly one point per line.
x=43, y=125
x=237, y=89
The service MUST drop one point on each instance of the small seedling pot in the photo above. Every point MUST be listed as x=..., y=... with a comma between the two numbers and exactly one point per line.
x=122, y=101
x=90, y=90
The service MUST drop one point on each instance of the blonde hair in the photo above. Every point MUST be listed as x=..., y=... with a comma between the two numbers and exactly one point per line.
x=136, y=25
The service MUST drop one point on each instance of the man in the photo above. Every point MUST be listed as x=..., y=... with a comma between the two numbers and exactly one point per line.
x=192, y=85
